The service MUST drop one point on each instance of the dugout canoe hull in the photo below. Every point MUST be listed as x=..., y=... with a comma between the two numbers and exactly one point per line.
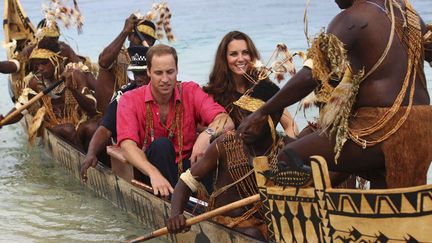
x=151, y=211
x=325, y=214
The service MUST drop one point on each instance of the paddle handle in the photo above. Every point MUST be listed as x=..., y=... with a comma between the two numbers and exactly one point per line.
x=29, y=103
x=202, y=217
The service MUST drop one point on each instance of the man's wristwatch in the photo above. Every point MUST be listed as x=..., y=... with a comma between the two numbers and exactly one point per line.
x=211, y=132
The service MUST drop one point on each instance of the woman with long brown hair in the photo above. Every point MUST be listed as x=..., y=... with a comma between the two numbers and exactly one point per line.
x=227, y=81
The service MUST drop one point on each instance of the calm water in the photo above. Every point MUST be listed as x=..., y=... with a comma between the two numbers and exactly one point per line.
x=40, y=202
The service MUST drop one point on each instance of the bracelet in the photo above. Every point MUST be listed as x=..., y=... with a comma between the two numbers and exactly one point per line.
x=308, y=63
x=17, y=63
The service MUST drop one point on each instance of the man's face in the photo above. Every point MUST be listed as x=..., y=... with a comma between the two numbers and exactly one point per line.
x=163, y=75
x=344, y=4
x=134, y=40
x=43, y=69
x=141, y=77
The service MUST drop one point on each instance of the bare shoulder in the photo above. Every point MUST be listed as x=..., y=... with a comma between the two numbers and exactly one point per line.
x=348, y=24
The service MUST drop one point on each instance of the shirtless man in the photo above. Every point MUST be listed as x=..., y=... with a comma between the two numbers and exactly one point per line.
x=50, y=35
x=403, y=152
x=114, y=60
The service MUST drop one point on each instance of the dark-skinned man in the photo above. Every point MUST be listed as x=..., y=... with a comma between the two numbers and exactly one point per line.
x=378, y=117
x=114, y=59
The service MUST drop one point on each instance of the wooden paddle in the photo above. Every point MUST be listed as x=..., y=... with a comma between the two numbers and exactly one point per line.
x=202, y=217
x=29, y=103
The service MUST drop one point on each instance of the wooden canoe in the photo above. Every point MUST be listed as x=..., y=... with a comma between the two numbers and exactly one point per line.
x=133, y=198
x=18, y=28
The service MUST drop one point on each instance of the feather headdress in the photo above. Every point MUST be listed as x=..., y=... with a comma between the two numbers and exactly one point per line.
x=280, y=63
x=161, y=15
x=68, y=16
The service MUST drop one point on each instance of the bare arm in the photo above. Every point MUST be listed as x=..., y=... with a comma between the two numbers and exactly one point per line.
x=81, y=92
x=302, y=83
x=69, y=53
x=99, y=141
x=295, y=89
x=8, y=67
x=220, y=123
x=15, y=119
x=208, y=163
x=110, y=53
x=427, y=32
x=135, y=156
x=288, y=124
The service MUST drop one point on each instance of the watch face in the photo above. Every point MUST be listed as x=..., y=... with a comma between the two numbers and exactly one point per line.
x=210, y=131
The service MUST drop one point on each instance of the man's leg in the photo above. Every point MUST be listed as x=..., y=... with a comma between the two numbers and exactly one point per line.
x=353, y=159
x=161, y=154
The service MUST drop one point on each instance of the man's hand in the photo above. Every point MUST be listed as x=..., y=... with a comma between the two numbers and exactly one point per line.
x=1, y=119
x=68, y=79
x=200, y=146
x=66, y=51
x=90, y=160
x=253, y=122
x=177, y=224
x=130, y=23
x=160, y=185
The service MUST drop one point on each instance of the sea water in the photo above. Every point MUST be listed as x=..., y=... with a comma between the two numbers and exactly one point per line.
x=40, y=202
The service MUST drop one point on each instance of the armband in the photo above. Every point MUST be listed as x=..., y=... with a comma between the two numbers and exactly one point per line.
x=190, y=181
x=308, y=63
x=16, y=62
x=107, y=68
x=88, y=94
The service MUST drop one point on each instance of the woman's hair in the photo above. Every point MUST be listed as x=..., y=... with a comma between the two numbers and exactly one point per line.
x=221, y=84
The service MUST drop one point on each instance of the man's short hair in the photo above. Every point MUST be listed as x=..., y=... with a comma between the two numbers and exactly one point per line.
x=160, y=50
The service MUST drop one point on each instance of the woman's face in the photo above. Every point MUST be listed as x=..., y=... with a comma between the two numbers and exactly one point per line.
x=238, y=56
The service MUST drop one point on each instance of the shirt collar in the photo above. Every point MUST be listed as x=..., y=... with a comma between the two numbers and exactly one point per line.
x=149, y=96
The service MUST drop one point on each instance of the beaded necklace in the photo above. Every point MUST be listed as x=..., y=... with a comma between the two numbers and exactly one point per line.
x=176, y=126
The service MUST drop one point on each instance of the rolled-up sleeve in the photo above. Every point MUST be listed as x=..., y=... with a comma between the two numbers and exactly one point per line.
x=127, y=120
x=207, y=109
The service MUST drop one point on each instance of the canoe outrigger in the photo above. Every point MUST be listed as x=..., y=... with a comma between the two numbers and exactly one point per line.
x=312, y=214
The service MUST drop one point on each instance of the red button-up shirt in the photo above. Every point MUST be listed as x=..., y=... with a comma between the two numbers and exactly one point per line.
x=198, y=107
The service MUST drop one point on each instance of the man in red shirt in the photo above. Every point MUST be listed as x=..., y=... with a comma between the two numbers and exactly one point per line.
x=156, y=123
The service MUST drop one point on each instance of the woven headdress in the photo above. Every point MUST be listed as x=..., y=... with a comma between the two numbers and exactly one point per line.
x=54, y=58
